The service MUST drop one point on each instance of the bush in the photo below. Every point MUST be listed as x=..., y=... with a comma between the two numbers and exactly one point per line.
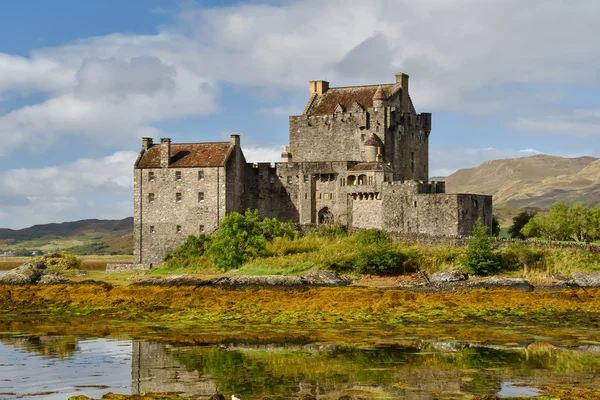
x=273, y=228
x=373, y=237
x=60, y=262
x=382, y=260
x=480, y=258
x=330, y=231
x=519, y=256
x=193, y=247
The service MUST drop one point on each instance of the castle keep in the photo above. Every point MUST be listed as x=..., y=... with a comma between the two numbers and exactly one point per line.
x=357, y=156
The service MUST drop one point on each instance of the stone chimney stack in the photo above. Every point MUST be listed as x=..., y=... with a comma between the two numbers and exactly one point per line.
x=318, y=87
x=286, y=156
x=146, y=143
x=165, y=152
x=402, y=79
x=234, y=140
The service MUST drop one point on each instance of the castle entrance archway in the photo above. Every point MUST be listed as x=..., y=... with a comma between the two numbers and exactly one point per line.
x=325, y=216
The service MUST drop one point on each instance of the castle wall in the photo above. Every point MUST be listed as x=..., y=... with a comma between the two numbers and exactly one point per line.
x=471, y=207
x=410, y=153
x=367, y=213
x=157, y=221
x=336, y=137
x=235, y=189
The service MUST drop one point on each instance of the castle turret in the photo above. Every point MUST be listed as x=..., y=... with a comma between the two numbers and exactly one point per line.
x=286, y=156
x=379, y=98
x=373, y=147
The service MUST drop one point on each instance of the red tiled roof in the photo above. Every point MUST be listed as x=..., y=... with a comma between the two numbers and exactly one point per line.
x=363, y=95
x=185, y=155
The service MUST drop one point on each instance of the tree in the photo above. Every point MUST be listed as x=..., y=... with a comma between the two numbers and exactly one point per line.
x=519, y=221
x=495, y=226
x=480, y=258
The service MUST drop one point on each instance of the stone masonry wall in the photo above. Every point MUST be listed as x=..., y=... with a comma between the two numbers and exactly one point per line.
x=158, y=220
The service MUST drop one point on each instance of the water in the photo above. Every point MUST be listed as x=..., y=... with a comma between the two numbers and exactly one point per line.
x=56, y=367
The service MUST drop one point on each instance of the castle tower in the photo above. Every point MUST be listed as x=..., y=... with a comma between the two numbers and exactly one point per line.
x=379, y=98
x=373, y=147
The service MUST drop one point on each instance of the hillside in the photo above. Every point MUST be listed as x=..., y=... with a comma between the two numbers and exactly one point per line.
x=90, y=236
x=531, y=182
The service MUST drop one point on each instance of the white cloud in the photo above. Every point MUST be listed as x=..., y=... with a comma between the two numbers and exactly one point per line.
x=581, y=123
x=123, y=84
x=68, y=191
x=447, y=160
x=255, y=154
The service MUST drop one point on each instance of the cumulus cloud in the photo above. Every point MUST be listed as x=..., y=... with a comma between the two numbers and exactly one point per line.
x=86, y=188
x=447, y=160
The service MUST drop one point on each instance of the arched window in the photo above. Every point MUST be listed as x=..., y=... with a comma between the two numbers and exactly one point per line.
x=362, y=179
x=351, y=180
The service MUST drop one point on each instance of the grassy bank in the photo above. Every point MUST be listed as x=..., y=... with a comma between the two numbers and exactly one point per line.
x=341, y=254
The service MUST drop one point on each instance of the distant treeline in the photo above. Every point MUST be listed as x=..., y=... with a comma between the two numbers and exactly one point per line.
x=562, y=222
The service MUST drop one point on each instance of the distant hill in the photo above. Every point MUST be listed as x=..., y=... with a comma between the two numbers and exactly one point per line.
x=531, y=182
x=89, y=236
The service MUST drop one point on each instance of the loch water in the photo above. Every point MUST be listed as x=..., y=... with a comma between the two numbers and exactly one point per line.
x=53, y=366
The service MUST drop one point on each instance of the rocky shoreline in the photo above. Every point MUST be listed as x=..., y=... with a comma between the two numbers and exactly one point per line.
x=34, y=273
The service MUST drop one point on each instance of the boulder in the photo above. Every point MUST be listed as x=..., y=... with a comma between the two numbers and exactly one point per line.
x=319, y=277
x=498, y=282
x=28, y=273
x=257, y=280
x=448, y=276
x=217, y=396
x=52, y=279
x=591, y=279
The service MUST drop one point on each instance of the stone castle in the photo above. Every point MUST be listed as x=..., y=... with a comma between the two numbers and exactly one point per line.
x=357, y=156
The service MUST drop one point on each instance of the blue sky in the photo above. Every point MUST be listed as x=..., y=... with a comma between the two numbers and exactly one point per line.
x=82, y=81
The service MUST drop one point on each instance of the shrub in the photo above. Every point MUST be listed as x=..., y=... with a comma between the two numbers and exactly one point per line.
x=193, y=247
x=381, y=260
x=60, y=262
x=373, y=237
x=243, y=237
x=480, y=258
x=273, y=228
x=518, y=255
x=330, y=231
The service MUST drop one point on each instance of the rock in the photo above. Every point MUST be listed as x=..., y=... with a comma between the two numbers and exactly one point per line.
x=257, y=280
x=448, y=347
x=448, y=276
x=498, y=282
x=174, y=280
x=52, y=279
x=217, y=396
x=587, y=279
x=319, y=277
x=28, y=273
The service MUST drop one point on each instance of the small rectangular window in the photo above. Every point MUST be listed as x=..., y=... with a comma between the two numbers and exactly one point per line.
x=200, y=175
x=150, y=197
x=177, y=175
x=178, y=197
x=305, y=196
x=305, y=178
x=151, y=176
x=289, y=180
x=415, y=203
x=178, y=228
x=201, y=228
x=271, y=179
x=320, y=195
x=152, y=229
x=200, y=196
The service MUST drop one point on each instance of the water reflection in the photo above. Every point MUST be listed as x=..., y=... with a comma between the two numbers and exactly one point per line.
x=60, y=366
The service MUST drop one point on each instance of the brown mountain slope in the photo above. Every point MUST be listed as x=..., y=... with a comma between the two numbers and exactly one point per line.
x=537, y=181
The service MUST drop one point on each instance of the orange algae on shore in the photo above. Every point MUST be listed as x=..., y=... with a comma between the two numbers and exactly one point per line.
x=295, y=306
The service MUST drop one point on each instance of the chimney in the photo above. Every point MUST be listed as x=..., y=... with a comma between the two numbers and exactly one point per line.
x=146, y=143
x=402, y=79
x=286, y=156
x=165, y=152
x=234, y=140
x=318, y=87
